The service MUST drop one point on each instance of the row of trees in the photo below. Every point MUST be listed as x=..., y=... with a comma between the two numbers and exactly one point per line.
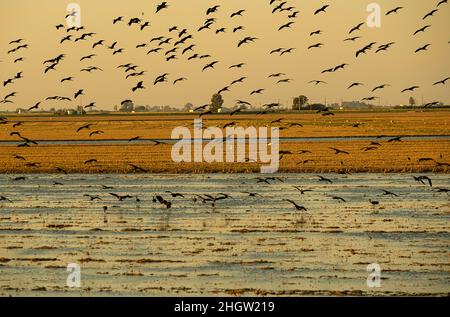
x=217, y=102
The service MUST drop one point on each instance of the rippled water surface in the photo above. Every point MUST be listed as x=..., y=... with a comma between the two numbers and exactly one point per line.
x=243, y=246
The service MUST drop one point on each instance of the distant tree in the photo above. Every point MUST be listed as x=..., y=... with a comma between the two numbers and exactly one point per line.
x=80, y=110
x=299, y=102
x=412, y=101
x=139, y=109
x=127, y=107
x=317, y=106
x=115, y=108
x=216, y=103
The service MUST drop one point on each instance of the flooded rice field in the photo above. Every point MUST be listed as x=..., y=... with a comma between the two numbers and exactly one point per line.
x=252, y=242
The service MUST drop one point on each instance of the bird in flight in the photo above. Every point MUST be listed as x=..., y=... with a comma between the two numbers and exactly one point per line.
x=161, y=6
x=423, y=48
x=356, y=28
x=441, y=82
x=296, y=206
x=394, y=10
x=286, y=26
x=210, y=65
x=322, y=9
x=410, y=88
x=430, y=14
x=422, y=29
x=140, y=85
x=354, y=85
x=79, y=93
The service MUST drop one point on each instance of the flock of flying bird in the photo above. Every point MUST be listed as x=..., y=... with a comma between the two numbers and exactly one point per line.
x=178, y=43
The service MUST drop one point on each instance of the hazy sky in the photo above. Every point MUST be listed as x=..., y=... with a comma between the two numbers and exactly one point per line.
x=400, y=67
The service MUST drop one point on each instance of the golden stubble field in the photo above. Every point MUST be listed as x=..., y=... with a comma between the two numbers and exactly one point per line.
x=430, y=155
x=160, y=126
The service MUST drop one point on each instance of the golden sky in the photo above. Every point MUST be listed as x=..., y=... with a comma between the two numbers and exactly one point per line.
x=35, y=22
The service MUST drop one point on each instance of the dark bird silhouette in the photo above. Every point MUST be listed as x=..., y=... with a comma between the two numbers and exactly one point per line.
x=201, y=108
x=423, y=179
x=138, y=169
x=441, y=82
x=162, y=201
x=117, y=20
x=317, y=82
x=96, y=133
x=422, y=29
x=323, y=179
x=157, y=142
x=212, y=9
x=430, y=14
x=423, y=48
x=356, y=28
x=210, y=65
x=3, y=198
x=85, y=127
x=59, y=169
x=337, y=151
x=66, y=38
x=91, y=197
x=134, y=139
x=365, y=49
x=297, y=206
x=286, y=26
x=175, y=195
x=79, y=93
x=35, y=107
x=318, y=45
x=410, y=88
x=140, y=85
x=354, y=85
x=66, y=79
x=394, y=10
x=301, y=190
x=352, y=39
x=388, y=193
x=246, y=41
x=380, y=87
x=396, y=139
x=121, y=198
x=240, y=65
x=237, y=13
x=179, y=80
x=161, y=6
x=340, y=199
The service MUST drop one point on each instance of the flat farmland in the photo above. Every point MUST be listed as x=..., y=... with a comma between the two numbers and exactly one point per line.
x=122, y=127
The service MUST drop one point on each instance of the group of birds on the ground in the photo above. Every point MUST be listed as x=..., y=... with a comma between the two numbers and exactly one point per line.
x=179, y=43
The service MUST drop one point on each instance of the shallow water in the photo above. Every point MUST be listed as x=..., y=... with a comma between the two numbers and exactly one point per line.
x=242, y=246
x=294, y=139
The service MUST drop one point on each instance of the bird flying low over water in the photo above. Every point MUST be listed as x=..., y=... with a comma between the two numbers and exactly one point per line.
x=297, y=206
